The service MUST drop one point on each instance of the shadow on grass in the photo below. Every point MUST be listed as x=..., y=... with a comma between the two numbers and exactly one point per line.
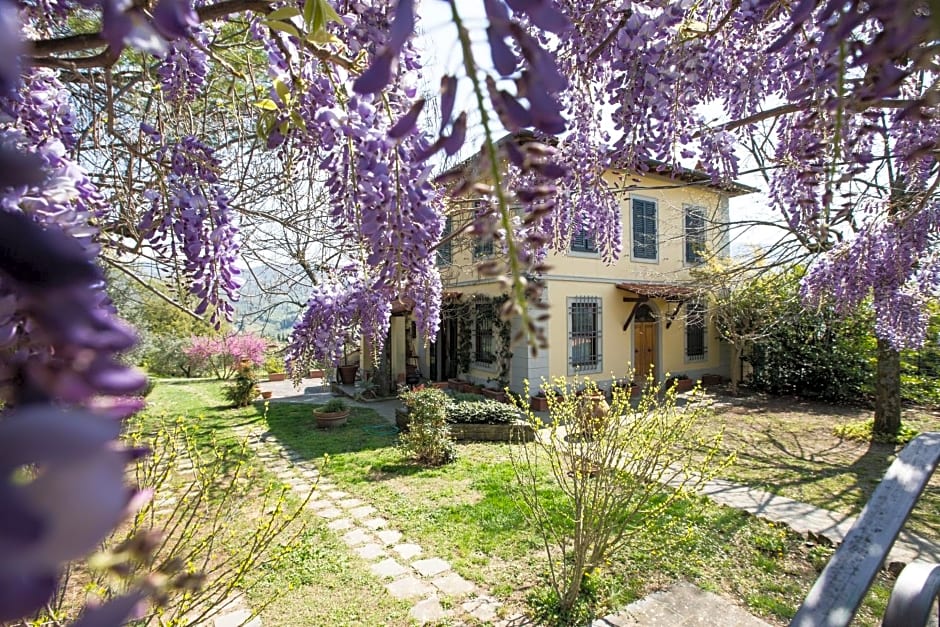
x=780, y=463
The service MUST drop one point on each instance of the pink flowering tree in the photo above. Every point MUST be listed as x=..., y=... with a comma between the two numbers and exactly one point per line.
x=223, y=354
x=137, y=136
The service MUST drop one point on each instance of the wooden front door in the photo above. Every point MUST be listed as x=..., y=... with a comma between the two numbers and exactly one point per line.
x=644, y=349
x=644, y=343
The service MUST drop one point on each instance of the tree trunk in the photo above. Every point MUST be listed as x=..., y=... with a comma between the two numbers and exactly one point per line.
x=735, y=368
x=888, y=389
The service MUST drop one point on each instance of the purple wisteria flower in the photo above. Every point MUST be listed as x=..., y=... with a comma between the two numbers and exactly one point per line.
x=72, y=497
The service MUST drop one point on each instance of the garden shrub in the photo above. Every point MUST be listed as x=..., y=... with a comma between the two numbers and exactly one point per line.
x=612, y=470
x=244, y=387
x=466, y=397
x=487, y=412
x=428, y=439
x=814, y=353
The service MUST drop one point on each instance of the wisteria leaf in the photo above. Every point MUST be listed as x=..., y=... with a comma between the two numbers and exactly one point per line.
x=309, y=7
x=323, y=37
x=281, y=89
x=284, y=13
x=266, y=105
x=298, y=121
x=284, y=27
x=323, y=14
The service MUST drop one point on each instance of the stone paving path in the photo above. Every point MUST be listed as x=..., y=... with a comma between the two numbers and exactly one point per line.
x=426, y=580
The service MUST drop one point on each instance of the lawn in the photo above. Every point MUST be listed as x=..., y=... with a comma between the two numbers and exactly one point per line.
x=468, y=514
x=786, y=446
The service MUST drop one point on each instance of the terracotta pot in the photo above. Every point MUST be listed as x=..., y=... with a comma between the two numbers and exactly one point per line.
x=266, y=394
x=277, y=376
x=316, y=374
x=712, y=379
x=441, y=385
x=496, y=395
x=538, y=403
x=347, y=374
x=331, y=419
x=592, y=413
x=682, y=385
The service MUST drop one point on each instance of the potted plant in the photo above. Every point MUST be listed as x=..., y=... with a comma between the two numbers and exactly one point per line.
x=493, y=393
x=347, y=373
x=244, y=386
x=591, y=413
x=333, y=413
x=682, y=382
x=277, y=376
x=266, y=394
x=539, y=402
x=712, y=379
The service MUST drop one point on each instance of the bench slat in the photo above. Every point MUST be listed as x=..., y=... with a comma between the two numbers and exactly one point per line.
x=840, y=588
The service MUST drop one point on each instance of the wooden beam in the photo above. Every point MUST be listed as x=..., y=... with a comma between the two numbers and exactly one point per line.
x=636, y=303
x=674, y=314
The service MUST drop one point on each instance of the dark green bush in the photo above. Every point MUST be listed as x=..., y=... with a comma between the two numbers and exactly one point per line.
x=486, y=412
x=813, y=353
x=244, y=387
x=428, y=439
x=465, y=397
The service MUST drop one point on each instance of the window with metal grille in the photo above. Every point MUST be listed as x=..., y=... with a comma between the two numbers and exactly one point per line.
x=694, y=234
x=644, y=229
x=483, y=247
x=484, y=315
x=583, y=242
x=695, y=327
x=584, y=335
x=445, y=251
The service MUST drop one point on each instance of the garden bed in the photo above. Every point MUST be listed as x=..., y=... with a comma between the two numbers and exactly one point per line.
x=515, y=431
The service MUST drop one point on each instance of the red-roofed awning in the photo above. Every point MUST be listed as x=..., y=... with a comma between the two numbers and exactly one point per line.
x=667, y=291
x=646, y=291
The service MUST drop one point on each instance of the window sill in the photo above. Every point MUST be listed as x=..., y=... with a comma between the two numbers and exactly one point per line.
x=583, y=254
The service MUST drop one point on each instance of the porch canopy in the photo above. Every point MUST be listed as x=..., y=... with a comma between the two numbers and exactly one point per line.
x=669, y=292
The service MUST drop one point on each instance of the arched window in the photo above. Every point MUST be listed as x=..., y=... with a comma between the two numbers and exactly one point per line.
x=644, y=313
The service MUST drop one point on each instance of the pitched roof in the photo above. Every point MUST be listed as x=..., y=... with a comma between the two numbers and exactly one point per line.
x=655, y=167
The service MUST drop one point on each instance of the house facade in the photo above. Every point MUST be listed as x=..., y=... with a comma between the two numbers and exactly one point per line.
x=606, y=322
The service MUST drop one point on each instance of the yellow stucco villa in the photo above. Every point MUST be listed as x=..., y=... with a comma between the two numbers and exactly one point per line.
x=606, y=322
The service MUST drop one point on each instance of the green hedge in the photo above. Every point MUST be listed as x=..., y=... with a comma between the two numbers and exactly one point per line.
x=481, y=412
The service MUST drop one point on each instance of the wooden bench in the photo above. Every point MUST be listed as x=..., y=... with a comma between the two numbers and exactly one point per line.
x=840, y=588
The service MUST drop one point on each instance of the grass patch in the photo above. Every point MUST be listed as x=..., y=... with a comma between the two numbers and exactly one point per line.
x=864, y=431
x=311, y=577
x=787, y=446
x=467, y=513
